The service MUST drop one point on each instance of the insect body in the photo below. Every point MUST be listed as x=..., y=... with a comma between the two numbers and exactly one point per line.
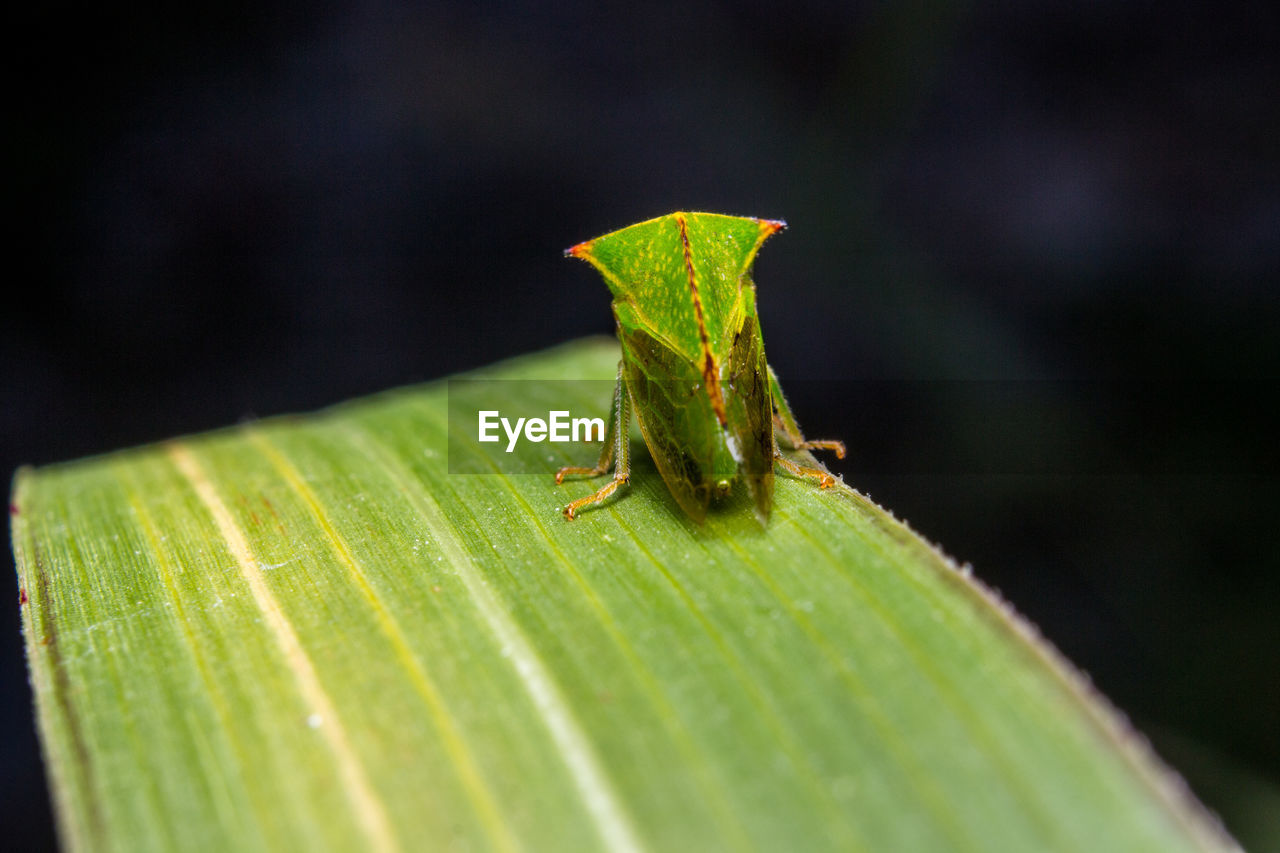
x=693, y=368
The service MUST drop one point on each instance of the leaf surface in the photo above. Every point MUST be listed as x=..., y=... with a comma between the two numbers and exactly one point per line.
x=305, y=633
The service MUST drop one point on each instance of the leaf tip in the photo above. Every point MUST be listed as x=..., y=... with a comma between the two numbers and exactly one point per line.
x=17, y=489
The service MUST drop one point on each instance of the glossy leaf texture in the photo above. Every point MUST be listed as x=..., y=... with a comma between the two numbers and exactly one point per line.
x=306, y=633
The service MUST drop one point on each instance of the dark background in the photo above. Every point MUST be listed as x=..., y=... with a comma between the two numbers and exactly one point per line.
x=1031, y=275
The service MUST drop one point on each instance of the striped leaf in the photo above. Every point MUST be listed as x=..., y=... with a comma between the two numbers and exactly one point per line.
x=307, y=634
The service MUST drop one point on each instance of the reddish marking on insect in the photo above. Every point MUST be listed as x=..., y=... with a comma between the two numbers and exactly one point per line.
x=13, y=509
x=770, y=227
x=579, y=251
x=710, y=370
x=253, y=516
x=711, y=375
x=22, y=596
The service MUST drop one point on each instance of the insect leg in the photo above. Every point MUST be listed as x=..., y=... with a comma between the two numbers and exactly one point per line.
x=824, y=479
x=786, y=433
x=785, y=429
x=606, y=451
x=615, y=454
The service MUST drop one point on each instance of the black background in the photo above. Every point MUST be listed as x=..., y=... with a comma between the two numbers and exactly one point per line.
x=1031, y=274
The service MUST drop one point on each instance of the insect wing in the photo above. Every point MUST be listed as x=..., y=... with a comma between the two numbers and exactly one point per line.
x=749, y=407
x=676, y=419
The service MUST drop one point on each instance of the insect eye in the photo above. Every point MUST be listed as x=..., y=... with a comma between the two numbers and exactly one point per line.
x=723, y=487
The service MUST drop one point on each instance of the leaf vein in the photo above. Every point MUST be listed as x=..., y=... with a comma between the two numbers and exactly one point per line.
x=369, y=810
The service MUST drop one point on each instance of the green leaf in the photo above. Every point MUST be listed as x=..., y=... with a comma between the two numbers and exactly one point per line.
x=305, y=633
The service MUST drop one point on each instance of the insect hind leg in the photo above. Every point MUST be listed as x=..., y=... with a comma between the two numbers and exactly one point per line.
x=833, y=445
x=786, y=433
x=808, y=472
x=615, y=454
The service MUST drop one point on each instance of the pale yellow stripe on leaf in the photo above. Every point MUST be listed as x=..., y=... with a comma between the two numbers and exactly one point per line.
x=477, y=789
x=368, y=808
x=601, y=801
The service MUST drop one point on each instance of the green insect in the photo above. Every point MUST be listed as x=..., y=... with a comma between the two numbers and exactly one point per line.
x=693, y=369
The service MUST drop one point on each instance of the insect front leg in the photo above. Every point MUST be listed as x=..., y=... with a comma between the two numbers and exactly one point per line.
x=615, y=454
x=786, y=433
